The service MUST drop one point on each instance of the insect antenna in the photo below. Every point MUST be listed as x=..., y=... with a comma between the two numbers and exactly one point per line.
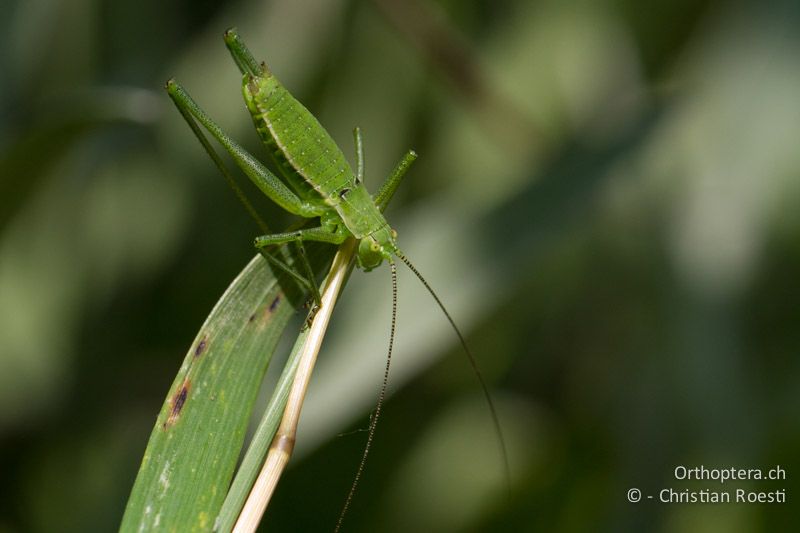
x=473, y=363
x=373, y=423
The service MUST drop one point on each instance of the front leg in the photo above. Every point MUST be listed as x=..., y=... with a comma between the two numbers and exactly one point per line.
x=359, y=155
x=393, y=181
x=333, y=235
x=318, y=234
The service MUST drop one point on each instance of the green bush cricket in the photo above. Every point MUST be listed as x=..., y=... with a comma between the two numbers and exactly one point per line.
x=315, y=181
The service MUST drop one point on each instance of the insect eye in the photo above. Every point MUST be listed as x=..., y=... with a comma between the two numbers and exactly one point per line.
x=374, y=246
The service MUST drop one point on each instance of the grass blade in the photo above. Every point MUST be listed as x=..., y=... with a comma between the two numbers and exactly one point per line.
x=282, y=445
x=257, y=449
x=194, y=446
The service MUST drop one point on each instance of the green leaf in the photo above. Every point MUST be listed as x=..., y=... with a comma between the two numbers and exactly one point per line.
x=193, y=449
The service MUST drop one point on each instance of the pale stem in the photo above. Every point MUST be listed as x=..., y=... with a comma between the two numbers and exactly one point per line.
x=282, y=444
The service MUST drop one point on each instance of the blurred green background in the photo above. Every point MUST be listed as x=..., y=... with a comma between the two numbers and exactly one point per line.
x=606, y=197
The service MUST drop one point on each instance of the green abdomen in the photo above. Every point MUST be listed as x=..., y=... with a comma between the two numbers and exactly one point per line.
x=304, y=143
x=312, y=154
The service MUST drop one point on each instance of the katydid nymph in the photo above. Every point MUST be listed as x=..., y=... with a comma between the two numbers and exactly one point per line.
x=315, y=181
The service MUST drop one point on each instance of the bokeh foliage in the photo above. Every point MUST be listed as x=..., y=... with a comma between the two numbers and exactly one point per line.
x=606, y=196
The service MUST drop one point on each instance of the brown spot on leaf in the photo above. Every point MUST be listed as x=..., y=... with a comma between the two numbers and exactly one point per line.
x=201, y=346
x=178, y=402
x=264, y=315
x=275, y=302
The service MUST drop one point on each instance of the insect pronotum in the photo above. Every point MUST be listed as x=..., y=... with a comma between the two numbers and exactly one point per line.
x=315, y=181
